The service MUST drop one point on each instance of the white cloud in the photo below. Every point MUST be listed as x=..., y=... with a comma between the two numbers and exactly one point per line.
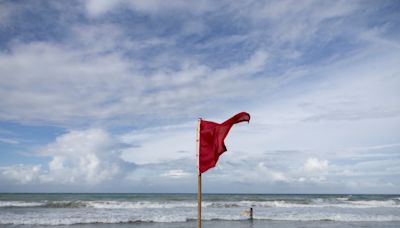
x=86, y=157
x=90, y=156
x=280, y=125
x=72, y=90
x=315, y=165
x=160, y=144
x=318, y=82
x=99, y=7
x=272, y=175
x=22, y=174
x=175, y=173
x=91, y=80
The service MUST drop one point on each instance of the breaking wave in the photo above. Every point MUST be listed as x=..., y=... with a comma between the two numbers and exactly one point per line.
x=109, y=204
x=69, y=219
x=109, y=209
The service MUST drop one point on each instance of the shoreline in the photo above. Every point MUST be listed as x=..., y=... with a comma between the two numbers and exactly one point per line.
x=226, y=224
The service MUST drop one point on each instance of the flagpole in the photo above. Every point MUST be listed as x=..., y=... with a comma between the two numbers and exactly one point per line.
x=199, y=174
x=199, y=202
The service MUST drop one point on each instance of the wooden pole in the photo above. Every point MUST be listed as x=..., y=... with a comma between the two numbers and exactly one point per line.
x=199, y=202
x=199, y=174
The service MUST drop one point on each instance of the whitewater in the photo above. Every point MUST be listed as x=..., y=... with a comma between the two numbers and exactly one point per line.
x=180, y=209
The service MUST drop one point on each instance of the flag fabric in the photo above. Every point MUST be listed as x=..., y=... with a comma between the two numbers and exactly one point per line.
x=212, y=136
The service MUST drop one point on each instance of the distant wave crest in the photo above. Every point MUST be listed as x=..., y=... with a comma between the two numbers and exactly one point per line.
x=109, y=204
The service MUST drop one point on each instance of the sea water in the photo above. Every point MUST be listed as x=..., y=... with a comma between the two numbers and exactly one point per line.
x=180, y=210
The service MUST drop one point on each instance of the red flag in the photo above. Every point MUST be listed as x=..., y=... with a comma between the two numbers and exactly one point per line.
x=212, y=136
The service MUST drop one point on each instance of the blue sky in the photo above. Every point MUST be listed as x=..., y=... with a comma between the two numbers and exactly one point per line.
x=103, y=96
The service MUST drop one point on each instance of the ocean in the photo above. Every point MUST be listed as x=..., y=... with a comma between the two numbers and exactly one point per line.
x=180, y=210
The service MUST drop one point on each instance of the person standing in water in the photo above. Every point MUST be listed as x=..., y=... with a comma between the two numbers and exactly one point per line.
x=249, y=213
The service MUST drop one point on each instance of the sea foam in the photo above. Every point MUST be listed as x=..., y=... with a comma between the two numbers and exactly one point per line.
x=66, y=209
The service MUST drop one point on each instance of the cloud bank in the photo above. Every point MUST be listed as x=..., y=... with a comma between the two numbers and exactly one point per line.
x=123, y=83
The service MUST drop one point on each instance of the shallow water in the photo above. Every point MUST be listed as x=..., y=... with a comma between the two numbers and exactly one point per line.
x=229, y=224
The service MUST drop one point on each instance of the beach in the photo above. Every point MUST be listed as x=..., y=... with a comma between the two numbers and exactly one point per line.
x=179, y=210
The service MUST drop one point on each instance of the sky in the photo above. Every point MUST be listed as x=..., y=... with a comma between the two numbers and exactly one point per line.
x=104, y=96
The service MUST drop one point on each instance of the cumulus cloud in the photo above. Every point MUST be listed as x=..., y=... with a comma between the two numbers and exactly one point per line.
x=93, y=157
x=22, y=174
x=313, y=164
x=88, y=157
